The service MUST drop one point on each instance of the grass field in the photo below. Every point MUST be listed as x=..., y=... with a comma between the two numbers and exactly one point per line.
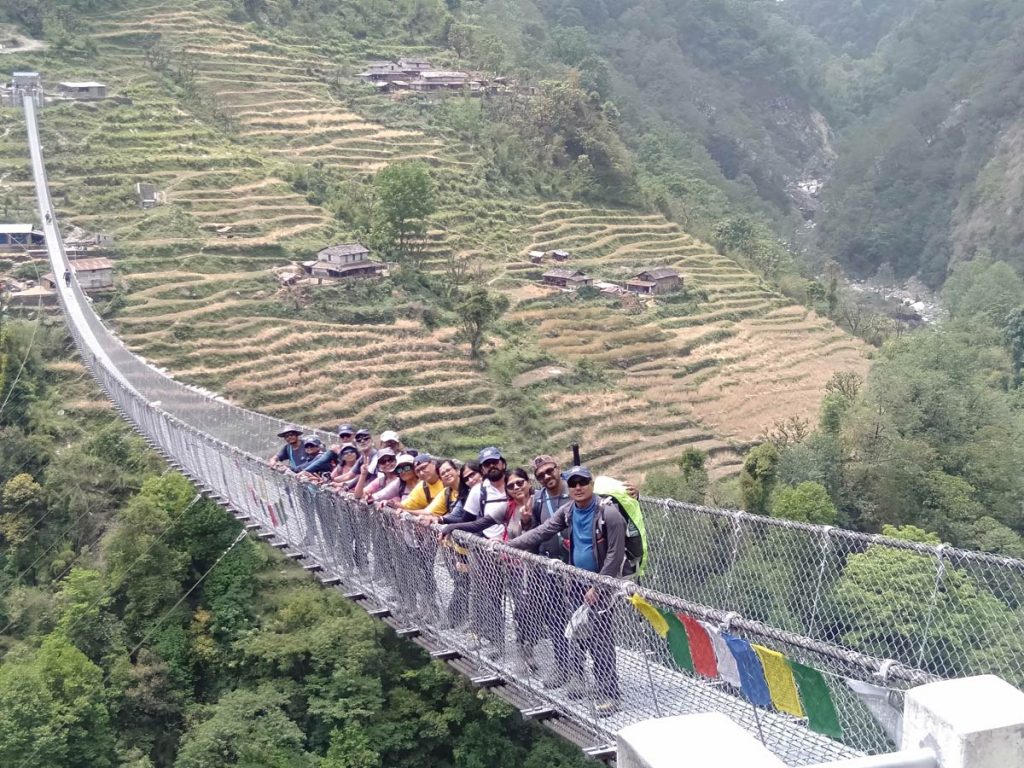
x=710, y=368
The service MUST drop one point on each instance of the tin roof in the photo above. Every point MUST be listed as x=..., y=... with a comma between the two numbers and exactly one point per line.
x=90, y=265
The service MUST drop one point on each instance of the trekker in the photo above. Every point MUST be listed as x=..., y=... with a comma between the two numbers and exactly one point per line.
x=367, y=453
x=320, y=462
x=370, y=482
x=489, y=497
x=403, y=484
x=597, y=544
x=418, y=579
x=346, y=433
x=447, y=508
x=312, y=449
x=344, y=469
x=291, y=453
x=391, y=440
x=544, y=591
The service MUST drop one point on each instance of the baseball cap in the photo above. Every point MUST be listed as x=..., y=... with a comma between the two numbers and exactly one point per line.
x=489, y=454
x=347, y=447
x=382, y=452
x=423, y=458
x=389, y=435
x=291, y=429
x=312, y=440
x=542, y=461
x=405, y=458
x=346, y=429
x=363, y=433
x=580, y=472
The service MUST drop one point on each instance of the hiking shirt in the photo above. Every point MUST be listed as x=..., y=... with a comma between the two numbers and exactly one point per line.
x=443, y=503
x=583, y=554
x=396, y=489
x=423, y=494
x=485, y=499
x=372, y=463
x=294, y=456
x=544, y=509
x=607, y=535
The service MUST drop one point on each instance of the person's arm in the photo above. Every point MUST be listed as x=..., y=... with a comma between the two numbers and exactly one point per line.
x=417, y=499
x=280, y=456
x=319, y=464
x=362, y=484
x=476, y=525
x=615, y=533
x=392, y=490
x=557, y=523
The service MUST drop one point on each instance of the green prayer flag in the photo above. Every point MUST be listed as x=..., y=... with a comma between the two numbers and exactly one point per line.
x=817, y=700
x=678, y=643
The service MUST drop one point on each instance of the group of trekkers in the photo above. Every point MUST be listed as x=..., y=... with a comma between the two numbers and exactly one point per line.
x=569, y=515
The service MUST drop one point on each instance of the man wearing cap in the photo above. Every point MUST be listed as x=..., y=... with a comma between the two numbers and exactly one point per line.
x=390, y=439
x=291, y=453
x=367, y=453
x=489, y=497
x=346, y=433
x=597, y=543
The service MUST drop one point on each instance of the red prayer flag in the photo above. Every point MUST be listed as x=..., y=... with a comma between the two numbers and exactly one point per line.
x=701, y=649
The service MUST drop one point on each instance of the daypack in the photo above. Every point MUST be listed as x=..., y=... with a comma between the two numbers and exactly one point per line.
x=636, y=531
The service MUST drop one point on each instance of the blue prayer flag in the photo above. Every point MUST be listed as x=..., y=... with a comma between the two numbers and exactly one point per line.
x=752, y=681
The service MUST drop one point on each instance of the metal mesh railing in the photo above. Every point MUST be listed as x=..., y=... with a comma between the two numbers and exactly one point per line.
x=838, y=601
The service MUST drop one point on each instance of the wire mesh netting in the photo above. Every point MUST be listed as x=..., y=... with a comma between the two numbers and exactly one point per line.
x=840, y=602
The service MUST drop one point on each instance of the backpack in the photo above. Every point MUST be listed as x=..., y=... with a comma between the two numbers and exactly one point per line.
x=636, y=531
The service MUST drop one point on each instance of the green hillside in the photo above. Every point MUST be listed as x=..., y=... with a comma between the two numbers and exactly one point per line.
x=264, y=149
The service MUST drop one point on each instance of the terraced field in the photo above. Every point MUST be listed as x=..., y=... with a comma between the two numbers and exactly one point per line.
x=710, y=371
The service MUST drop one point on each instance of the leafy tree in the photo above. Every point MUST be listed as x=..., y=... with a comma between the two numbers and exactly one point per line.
x=890, y=608
x=405, y=197
x=805, y=503
x=758, y=476
x=245, y=728
x=52, y=709
x=478, y=310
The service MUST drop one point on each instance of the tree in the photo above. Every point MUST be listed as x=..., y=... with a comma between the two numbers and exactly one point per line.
x=246, y=728
x=405, y=198
x=757, y=478
x=805, y=503
x=52, y=709
x=478, y=310
x=1013, y=331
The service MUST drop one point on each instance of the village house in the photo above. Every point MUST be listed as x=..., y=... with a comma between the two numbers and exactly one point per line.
x=382, y=72
x=567, y=278
x=344, y=260
x=18, y=237
x=414, y=66
x=560, y=255
x=536, y=257
x=438, y=80
x=653, y=282
x=82, y=90
x=94, y=274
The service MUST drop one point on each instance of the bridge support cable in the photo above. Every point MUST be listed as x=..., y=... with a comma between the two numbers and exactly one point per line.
x=497, y=614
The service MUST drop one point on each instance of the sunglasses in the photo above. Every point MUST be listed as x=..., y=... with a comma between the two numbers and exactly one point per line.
x=515, y=486
x=404, y=468
x=577, y=482
x=346, y=436
x=362, y=439
x=545, y=473
x=387, y=460
x=489, y=463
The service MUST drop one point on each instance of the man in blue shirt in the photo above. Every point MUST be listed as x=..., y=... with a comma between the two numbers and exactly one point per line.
x=292, y=453
x=597, y=544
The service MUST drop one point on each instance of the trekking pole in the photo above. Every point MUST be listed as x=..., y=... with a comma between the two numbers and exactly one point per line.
x=575, y=454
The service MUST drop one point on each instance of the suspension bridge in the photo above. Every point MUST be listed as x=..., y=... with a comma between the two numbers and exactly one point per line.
x=768, y=581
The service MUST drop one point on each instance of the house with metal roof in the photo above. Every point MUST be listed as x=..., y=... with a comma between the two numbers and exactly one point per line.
x=94, y=274
x=567, y=278
x=655, y=281
x=17, y=237
x=83, y=90
x=344, y=260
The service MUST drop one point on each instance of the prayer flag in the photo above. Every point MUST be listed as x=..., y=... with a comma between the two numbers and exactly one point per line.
x=781, y=685
x=649, y=612
x=821, y=711
x=752, y=681
x=726, y=663
x=677, y=641
x=701, y=650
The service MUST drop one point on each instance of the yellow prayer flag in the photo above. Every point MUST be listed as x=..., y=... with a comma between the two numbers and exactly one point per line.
x=781, y=685
x=650, y=613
